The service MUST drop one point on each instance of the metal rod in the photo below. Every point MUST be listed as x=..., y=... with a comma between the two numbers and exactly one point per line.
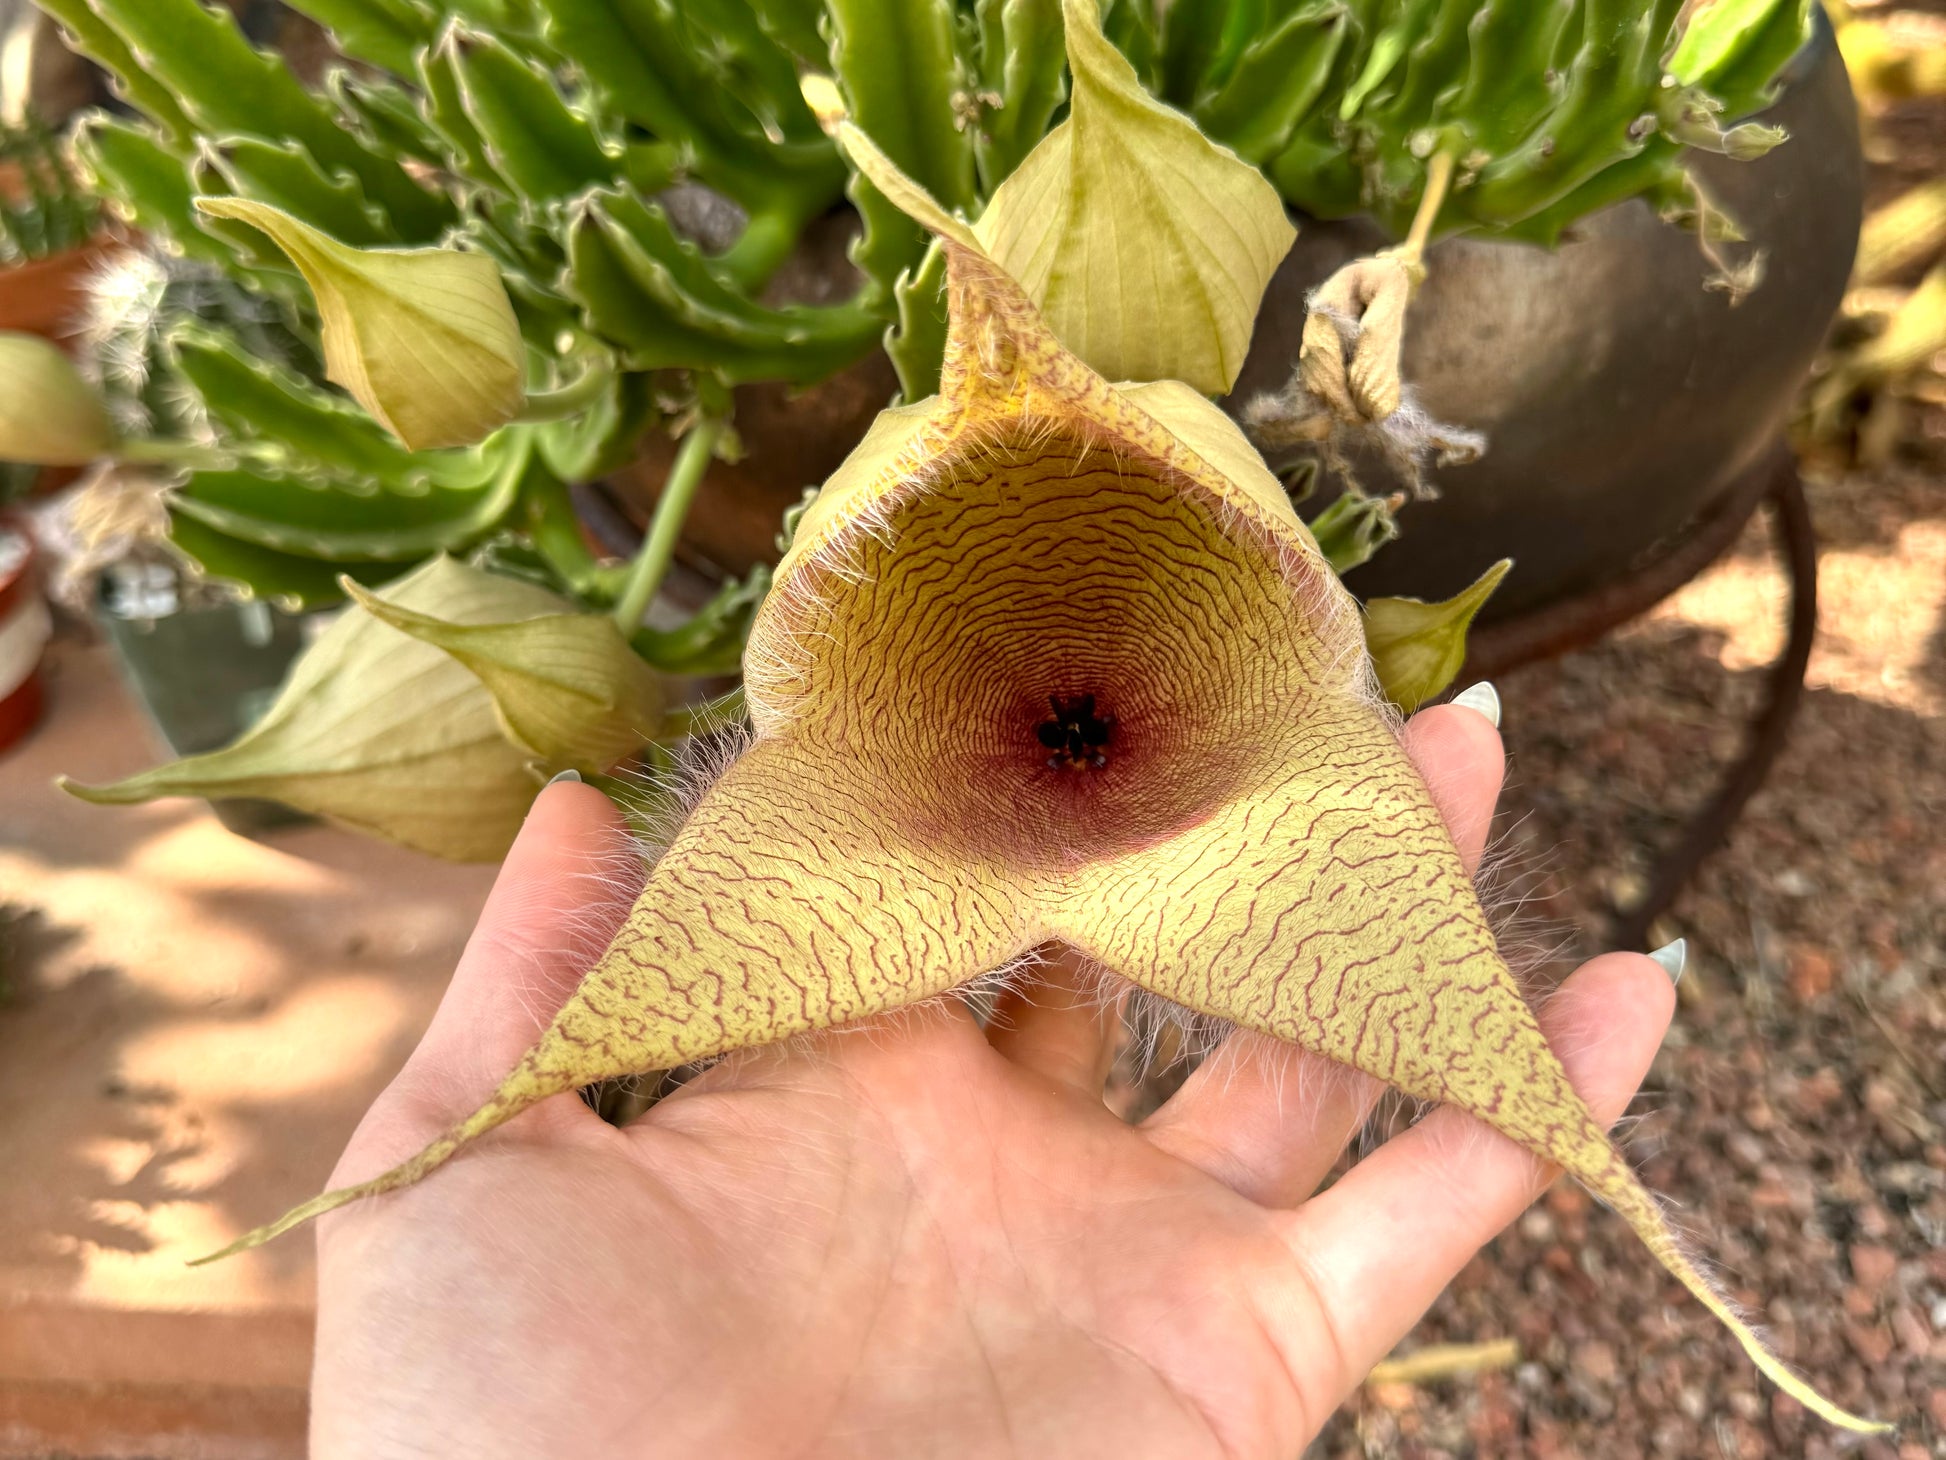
x=1797, y=542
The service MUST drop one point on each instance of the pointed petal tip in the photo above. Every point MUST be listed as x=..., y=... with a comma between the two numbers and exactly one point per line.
x=317, y=1206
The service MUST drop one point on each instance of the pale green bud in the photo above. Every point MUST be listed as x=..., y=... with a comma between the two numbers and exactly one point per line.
x=431, y=715
x=49, y=415
x=424, y=338
x=1418, y=647
x=567, y=686
x=1146, y=246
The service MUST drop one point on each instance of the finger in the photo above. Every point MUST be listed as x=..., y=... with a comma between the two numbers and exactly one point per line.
x=1462, y=761
x=563, y=890
x=1060, y=1023
x=1270, y=1120
x=1265, y=1118
x=1388, y=1237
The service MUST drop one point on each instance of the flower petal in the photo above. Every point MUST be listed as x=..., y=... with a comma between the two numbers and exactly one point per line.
x=778, y=909
x=1175, y=298
x=1328, y=907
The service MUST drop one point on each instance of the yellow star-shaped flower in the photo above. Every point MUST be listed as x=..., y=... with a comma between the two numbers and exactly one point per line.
x=1053, y=660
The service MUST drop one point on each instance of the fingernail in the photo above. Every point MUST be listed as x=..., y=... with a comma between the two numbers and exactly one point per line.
x=1673, y=957
x=1482, y=697
x=567, y=775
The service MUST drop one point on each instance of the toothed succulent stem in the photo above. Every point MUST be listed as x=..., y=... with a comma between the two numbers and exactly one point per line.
x=597, y=375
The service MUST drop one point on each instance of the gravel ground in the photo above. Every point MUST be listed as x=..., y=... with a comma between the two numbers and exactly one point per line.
x=1797, y=1114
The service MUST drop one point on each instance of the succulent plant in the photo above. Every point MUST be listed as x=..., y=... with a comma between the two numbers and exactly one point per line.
x=139, y=299
x=499, y=228
x=44, y=210
x=556, y=137
x=1216, y=812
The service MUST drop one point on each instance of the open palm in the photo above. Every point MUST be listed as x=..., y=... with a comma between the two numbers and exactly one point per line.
x=912, y=1238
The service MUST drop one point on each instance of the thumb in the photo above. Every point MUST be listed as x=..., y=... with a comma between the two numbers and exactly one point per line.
x=565, y=888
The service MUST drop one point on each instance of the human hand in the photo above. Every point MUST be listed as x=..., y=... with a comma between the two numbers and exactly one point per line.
x=912, y=1238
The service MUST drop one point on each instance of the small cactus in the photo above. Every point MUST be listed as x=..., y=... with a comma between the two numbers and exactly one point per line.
x=43, y=208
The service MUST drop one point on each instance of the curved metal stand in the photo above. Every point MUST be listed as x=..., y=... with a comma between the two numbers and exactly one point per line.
x=1798, y=544
x=1559, y=628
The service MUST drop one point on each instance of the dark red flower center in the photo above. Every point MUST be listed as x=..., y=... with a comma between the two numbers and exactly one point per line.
x=1076, y=736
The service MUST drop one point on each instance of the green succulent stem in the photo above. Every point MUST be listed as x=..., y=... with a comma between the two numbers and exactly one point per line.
x=766, y=241
x=574, y=397
x=556, y=534
x=197, y=455
x=658, y=550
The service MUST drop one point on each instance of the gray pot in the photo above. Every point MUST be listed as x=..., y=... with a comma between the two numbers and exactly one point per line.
x=1619, y=396
x=205, y=667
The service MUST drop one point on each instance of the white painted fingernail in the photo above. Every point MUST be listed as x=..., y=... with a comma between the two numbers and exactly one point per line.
x=1673, y=957
x=1482, y=697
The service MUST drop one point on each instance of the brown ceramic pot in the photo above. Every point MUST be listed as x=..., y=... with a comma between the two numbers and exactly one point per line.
x=1619, y=395
x=46, y=297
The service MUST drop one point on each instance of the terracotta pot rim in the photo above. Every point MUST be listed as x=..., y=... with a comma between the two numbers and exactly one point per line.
x=41, y=296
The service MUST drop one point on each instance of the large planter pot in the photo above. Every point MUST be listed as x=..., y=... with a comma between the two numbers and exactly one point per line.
x=1619, y=395
x=25, y=628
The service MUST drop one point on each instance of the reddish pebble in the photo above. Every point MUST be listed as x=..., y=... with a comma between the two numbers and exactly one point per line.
x=1936, y=1407
x=1869, y=1342
x=1566, y=1199
x=1812, y=974
x=1914, y=1337
x=1873, y=1265
x=1595, y=1361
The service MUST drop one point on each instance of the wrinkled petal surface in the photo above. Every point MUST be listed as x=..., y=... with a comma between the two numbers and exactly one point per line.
x=1052, y=658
